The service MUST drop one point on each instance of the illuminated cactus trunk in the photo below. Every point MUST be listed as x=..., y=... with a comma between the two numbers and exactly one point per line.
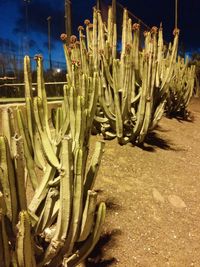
x=64, y=210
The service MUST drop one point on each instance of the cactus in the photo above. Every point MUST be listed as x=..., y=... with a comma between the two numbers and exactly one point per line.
x=63, y=213
x=133, y=87
x=180, y=89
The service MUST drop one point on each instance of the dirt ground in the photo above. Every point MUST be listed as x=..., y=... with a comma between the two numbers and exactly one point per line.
x=153, y=198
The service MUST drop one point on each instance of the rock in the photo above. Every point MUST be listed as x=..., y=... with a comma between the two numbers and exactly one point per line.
x=176, y=201
x=157, y=196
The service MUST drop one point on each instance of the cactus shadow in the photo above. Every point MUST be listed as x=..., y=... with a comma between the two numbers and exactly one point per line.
x=153, y=141
x=97, y=257
x=182, y=117
x=111, y=205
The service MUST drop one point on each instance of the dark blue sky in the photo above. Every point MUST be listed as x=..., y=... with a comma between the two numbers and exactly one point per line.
x=152, y=12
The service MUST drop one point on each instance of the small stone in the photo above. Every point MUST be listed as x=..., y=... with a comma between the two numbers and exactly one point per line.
x=176, y=201
x=157, y=196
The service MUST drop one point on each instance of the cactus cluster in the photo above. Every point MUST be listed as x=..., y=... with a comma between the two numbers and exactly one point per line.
x=181, y=89
x=118, y=94
x=62, y=223
x=136, y=82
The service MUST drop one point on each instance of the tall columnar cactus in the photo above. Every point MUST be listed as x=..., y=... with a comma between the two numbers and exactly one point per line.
x=181, y=89
x=63, y=220
x=133, y=87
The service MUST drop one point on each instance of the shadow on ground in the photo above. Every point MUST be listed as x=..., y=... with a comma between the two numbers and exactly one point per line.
x=97, y=257
x=152, y=140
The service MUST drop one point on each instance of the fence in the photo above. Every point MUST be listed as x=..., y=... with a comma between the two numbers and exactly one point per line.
x=11, y=65
x=10, y=91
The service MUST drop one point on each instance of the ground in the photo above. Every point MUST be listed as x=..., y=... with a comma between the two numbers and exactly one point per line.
x=153, y=198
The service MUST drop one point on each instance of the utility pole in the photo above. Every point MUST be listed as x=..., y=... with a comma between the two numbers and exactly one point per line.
x=68, y=19
x=98, y=5
x=26, y=44
x=176, y=14
x=49, y=41
x=114, y=10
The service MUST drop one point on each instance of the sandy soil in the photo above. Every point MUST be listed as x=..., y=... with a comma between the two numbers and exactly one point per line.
x=153, y=198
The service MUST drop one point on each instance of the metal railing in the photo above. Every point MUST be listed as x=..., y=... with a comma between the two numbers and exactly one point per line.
x=15, y=92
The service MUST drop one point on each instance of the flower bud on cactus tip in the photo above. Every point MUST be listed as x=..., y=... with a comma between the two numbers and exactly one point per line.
x=73, y=39
x=63, y=36
x=86, y=21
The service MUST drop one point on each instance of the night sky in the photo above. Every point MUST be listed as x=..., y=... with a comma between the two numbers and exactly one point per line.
x=21, y=35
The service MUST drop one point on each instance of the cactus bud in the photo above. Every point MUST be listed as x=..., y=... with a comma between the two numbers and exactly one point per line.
x=63, y=37
x=176, y=31
x=80, y=28
x=37, y=56
x=73, y=39
x=136, y=27
x=86, y=21
x=154, y=30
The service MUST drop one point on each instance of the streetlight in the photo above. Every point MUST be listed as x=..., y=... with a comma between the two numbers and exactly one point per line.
x=49, y=41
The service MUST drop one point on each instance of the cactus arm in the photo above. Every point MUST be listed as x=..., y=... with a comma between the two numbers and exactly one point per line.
x=68, y=60
x=28, y=156
x=77, y=201
x=5, y=251
x=94, y=167
x=46, y=214
x=7, y=181
x=83, y=53
x=29, y=116
x=28, y=95
x=64, y=214
x=90, y=243
x=94, y=41
x=110, y=26
x=88, y=215
x=119, y=122
x=114, y=45
x=93, y=100
x=104, y=107
x=38, y=154
x=79, y=122
x=49, y=151
x=151, y=85
x=42, y=94
x=158, y=115
x=160, y=55
x=25, y=256
x=23, y=130
x=42, y=189
x=106, y=70
x=5, y=124
x=101, y=43
x=4, y=242
x=169, y=70
x=72, y=112
x=124, y=32
x=101, y=119
x=20, y=174
x=27, y=78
